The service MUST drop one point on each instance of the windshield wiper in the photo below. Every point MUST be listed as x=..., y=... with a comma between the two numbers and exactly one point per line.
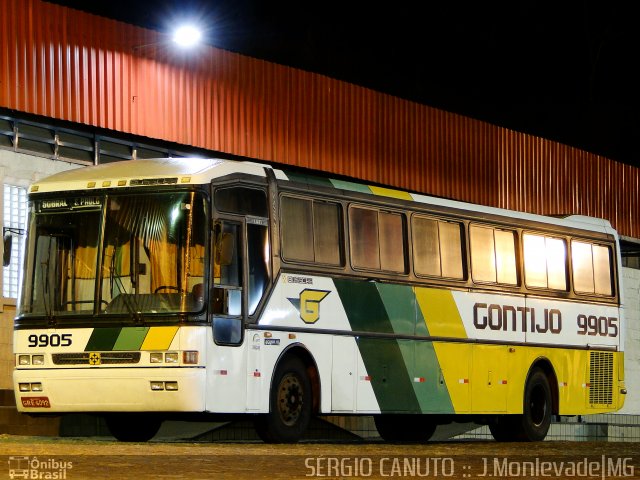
x=47, y=298
x=130, y=303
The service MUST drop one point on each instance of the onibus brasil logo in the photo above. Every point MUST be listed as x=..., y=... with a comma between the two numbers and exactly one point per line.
x=308, y=304
x=33, y=467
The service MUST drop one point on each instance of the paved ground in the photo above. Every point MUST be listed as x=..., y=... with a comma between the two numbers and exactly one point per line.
x=103, y=458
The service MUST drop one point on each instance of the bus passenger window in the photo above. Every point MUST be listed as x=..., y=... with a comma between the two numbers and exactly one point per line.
x=297, y=229
x=506, y=257
x=363, y=227
x=392, y=235
x=591, y=268
x=493, y=255
x=377, y=240
x=326, y=229
x=311, y=231
x=483, y=256
x=544, y=262
x=437, y=248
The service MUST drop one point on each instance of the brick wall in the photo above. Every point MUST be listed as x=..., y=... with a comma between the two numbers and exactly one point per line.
x=631, y=279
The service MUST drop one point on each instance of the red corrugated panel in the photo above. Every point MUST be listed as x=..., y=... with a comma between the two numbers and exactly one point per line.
x=74, y=66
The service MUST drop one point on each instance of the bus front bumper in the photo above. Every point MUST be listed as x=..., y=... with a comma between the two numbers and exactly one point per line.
x=110, y=390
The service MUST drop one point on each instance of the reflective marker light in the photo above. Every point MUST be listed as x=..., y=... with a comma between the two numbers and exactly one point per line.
x=37, y=360
x=24, y=359
x=36, y=387
x=190, y=357
x=171, y=357
x=157, y=385
x=171, y=386
x=155, y=357
x=24, y=387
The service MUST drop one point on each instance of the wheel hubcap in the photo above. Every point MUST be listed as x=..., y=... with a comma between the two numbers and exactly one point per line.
x=290, y=399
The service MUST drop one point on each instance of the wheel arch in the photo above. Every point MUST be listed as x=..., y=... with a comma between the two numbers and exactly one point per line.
x=302, y=353
x=544, y=364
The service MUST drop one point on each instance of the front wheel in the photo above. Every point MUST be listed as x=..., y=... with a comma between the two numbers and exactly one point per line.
x=290, y=404
x=131, y=427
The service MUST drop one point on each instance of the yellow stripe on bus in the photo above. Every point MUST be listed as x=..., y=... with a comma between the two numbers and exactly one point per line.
x=159, y=338
x=440, y=312
x=390, y=192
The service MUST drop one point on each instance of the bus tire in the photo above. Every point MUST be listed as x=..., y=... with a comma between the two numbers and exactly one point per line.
x=534, y=423
x=290, y=404
x=131, y=427
x=404, y=428
x=536, y=417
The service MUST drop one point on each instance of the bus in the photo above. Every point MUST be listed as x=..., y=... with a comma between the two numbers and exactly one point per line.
x=209, y=288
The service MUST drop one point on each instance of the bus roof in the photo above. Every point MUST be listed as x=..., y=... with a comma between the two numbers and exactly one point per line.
x=199, y=171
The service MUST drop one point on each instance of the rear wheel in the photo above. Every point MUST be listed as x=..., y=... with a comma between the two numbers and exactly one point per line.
x=290, y=404
x=131, y=427
x=534, y=423
x=536, y=418
x=405, y=428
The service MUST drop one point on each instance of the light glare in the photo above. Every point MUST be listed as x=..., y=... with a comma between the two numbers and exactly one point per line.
x=187, y=36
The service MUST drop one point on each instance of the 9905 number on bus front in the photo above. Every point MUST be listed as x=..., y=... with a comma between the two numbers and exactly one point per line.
x=53, y=340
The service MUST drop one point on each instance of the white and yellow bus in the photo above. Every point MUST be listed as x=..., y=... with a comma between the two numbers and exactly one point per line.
x=185, y=288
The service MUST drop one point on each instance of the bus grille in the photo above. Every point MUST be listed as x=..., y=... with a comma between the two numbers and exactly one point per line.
x=601, y=378
x=106, y=358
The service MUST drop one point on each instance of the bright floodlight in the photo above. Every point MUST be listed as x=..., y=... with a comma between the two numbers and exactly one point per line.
x=187, y=36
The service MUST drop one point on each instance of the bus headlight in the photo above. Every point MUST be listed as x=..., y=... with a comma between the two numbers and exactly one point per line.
x=171, y=357
x=37, y=360
x=157, y=385
x=24, y=359
x=171, y=386
x=155, y=357
x=24, y=387
x=36, y=387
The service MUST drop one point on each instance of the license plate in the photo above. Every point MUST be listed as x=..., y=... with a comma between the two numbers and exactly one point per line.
x=35, y=402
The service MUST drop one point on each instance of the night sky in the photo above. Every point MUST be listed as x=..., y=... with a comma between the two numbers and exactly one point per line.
x=563, y=70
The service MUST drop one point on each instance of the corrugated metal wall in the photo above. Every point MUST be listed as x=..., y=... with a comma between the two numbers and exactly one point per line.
x=78, y=67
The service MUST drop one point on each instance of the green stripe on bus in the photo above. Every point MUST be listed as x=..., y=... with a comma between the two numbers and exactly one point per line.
x=400, y=305
x=424, y=369
x=350, y=186
x=102, y=339
x=131, y=338
x=382, y=357
x=309, y=179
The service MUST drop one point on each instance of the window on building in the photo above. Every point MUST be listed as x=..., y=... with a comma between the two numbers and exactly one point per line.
x=377, y=240
x=545, y=262
x=591, y=268
x=493, y=255
x=437, y=248
x=311, y=231
x=15, y=218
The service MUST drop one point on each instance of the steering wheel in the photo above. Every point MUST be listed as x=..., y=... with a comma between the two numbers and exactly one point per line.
x=168, y=287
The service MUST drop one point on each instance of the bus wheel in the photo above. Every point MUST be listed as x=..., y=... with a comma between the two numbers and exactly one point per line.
x=405, y=428
x=290, y=404
x=534, y=423
x=133, y=427
x=536, y=418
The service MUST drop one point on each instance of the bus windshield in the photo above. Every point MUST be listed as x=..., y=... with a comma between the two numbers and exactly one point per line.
x=148, y=259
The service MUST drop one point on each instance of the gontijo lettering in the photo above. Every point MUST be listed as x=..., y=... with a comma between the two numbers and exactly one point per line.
x=516, y=319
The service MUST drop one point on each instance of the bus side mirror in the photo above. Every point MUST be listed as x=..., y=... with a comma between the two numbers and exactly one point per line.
x=6, y=255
